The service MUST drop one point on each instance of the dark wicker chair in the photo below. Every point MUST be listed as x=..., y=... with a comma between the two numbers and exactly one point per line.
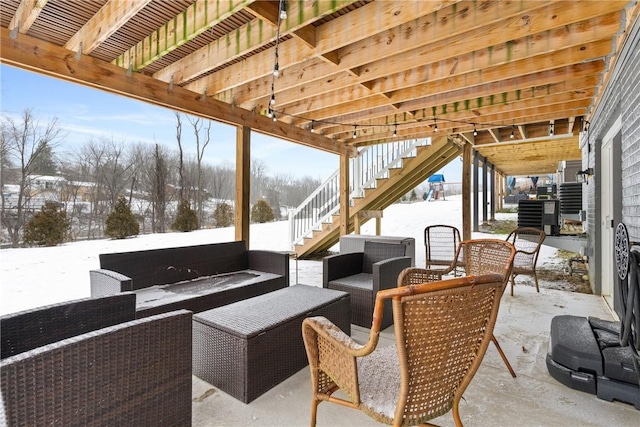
x=441, y=243
x=442, y=331
x=481, y=256
x=363, y=274
x=132, y=373
x=527, y=241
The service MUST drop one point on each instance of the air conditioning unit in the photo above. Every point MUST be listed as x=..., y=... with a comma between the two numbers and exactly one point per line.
x=541, y=214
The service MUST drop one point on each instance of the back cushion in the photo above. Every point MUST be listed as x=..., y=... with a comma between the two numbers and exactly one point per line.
x=376, y=251
x=171, y=265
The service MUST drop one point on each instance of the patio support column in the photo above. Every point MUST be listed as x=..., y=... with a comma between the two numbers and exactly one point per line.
x=243, y=183
x=500, y=180
x=492, y=218
x=476, y=211
x=466, y=192
x=344, y=195
x=485, y=192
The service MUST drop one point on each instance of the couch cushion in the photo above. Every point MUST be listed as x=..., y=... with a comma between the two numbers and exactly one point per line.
x=377, y=251
x=362, y=281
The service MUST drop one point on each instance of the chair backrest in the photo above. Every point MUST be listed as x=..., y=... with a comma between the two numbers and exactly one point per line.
x=378, y=251
x=485, y=256
x=527, y=241
x=442, y=330
x=441, y=243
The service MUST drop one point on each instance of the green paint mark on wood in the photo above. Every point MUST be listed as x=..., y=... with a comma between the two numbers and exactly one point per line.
x=505, y=98
x=518, y=94
x=456, y=106
x=510, y=46
x=467, y=104
x=480, y=102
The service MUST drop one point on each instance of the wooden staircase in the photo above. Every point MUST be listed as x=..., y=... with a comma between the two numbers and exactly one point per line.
x=414, y=170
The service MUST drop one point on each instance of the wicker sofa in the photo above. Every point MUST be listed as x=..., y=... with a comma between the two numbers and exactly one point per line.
x=89, y=363
x=195, y=278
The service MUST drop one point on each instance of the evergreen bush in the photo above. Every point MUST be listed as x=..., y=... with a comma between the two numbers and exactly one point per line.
x=48, y=227
x=121, y=223
x=261, y=212
x=186, y=218
x=223, y=215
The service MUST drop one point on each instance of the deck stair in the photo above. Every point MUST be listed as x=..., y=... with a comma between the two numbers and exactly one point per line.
x=379, y=176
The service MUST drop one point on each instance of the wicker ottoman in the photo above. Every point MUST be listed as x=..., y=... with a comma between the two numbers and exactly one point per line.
x=248, y=347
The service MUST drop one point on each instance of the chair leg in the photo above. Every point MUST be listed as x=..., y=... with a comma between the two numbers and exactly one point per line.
x=535, y=279
x=504, y=358
x=314, y=411
x=513, y=282
x=456, y=414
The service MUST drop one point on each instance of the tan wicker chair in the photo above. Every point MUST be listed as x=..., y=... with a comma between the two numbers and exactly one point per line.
x=481, y=256
x=442, y=331
x=441, y=243
x=527, y=241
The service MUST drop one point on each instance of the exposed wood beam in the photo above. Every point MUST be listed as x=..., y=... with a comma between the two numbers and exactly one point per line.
x=46, y=58
x=26, y=15
x=333, y=35
x=444, y=62
x=113, y=15
x=187, y=25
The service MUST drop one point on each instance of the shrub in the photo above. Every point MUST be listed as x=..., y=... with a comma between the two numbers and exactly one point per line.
x=261, y=212
x=48, y=227
x=186, y=218
x=121, y=223
x=223, y=215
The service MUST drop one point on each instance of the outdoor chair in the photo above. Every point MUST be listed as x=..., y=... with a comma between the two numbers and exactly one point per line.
x=442, y=330
x=363, y=274
x=481, y=256
x=441, y=243
x=527, y=241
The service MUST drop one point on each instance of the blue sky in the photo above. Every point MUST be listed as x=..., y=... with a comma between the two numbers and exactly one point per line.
x=84, y=113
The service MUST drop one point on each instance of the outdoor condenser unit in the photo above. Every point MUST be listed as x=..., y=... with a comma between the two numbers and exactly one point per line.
x=541, y=214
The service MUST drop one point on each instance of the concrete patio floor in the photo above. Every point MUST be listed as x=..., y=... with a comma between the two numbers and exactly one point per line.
x=493, y=398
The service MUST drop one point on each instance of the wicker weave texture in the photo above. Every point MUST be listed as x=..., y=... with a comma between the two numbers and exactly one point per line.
x=29, y=329
x=442, y=330
x=249, y=347
x=135, y=373
x=527, y=241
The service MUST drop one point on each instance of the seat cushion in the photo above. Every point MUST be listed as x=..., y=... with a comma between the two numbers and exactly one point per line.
x=379, y=381
x=360, y=281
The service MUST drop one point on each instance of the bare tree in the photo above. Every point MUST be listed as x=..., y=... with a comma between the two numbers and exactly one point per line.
x=203, y=137
x=181, y=153
x=23, y=143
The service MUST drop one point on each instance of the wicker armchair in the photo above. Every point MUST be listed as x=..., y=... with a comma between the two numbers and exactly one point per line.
x=482, y=256
x=132, y=373
x=441, y=244
x=527, y=241
x=363, y=274
x=442, y=330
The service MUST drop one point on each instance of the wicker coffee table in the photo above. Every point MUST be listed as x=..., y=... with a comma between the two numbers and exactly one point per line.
x=250, y=346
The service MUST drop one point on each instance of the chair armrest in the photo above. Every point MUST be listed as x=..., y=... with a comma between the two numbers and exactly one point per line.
x=107, y=282
x=341, y=265
x=269, y=262
x=416, y=276
x=385, y=273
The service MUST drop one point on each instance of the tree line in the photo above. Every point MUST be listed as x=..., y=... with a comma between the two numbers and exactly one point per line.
x=88, y=181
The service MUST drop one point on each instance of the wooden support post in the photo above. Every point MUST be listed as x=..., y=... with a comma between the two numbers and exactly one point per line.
x=466, y=192
x=492, y=217
x=344, y=195
x=476, y=178
x=485, y=192
x=364, y=215
x=243, y=183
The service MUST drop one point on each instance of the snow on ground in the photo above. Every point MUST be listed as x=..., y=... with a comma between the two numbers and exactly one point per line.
x=32, y=277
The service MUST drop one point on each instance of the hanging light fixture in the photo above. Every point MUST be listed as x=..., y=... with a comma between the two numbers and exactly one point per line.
x=475, y=132
x=283, y=9
x=395, y=130
x=354, y=131
x=513, y=132
x=313, y=128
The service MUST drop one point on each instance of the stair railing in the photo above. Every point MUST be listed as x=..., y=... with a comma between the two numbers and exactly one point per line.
x=371, y=164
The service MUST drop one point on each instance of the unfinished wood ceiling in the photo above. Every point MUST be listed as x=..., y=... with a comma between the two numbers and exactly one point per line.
x=521, y=75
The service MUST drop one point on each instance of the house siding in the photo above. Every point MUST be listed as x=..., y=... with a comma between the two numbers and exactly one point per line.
x=621, y=99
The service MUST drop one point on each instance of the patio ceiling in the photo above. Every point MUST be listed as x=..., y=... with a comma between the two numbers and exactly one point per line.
x=373, y=68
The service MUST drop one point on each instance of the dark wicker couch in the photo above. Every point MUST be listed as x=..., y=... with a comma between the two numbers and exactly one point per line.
x=194, y=278
x=75, y=363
